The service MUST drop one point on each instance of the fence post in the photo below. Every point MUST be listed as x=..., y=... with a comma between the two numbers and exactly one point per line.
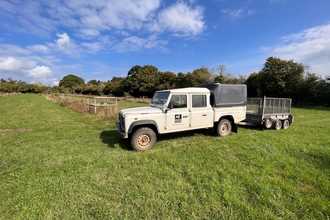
x=95, y=105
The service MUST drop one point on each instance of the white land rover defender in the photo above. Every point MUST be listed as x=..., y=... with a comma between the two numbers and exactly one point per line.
x=219, y=106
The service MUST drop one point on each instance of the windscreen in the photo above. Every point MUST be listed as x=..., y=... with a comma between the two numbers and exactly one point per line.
x=159, y=98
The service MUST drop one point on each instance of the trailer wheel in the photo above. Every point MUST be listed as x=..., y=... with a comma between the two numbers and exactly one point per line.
x=277, y=124
x=224, y=128
x=268, y=123
x=143, y=139
x=286, y=124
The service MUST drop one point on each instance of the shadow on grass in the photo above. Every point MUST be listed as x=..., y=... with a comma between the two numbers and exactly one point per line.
x=176, y=135
x=319, y=159
x=113, y=139
x=253, y=127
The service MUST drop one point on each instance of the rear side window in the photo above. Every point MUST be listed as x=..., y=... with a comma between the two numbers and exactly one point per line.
x=198, y=101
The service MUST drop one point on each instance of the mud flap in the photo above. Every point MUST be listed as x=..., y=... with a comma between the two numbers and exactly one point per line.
x=234, y=127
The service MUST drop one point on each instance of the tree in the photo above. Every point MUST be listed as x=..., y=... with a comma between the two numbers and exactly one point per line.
x=225, y=77
x=241, y=79
x=202, y=76
x=142, y=81
x=253, y=85
x=116, y=86
x=190, y=80
x=166, y=80
x=181, y=81
x=221, y=70
x=148, y=79
x=131, y=83
x=92, y=82
x=71, y=82
x=100, y=88
x=278, y=78
x=309, y=90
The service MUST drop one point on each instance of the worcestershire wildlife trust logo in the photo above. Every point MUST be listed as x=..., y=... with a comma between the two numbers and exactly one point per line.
x=178, y=118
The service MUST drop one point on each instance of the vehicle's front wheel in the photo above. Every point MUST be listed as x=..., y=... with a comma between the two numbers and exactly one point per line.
x=143, y=139
x=224, y=128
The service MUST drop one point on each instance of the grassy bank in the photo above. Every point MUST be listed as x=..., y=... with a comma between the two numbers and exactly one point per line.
x=56, y=163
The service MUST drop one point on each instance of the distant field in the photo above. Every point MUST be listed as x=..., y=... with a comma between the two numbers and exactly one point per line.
x=59, y=164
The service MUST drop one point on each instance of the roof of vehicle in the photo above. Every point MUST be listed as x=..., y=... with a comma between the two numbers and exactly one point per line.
x=187, y=90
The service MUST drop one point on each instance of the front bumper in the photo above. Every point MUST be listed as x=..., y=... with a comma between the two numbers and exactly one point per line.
x=121, y=132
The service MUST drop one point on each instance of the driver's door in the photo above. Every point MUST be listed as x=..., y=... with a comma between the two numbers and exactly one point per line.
x=177, y=117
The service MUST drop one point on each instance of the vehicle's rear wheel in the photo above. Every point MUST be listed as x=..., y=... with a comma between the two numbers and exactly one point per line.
x=277, y=124
x=143, y=139
x=224, y=128
x=286, y=124
x=268, y=123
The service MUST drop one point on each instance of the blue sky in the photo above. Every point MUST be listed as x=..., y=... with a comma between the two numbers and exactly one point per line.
x=43, y=41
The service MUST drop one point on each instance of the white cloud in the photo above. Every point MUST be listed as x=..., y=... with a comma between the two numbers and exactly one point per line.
x=98, y=25
x=89, y=33
x=26, y=68
x=93, y=47
x=7, y=6
x=236, y=14
x=128, y=14
x=232, y=14
x=38, y=48
x=29, y=15
x=136, y=43
x=113, y=14
x=39, y=72
x=9, y=49
x=9, y=64
x=65, y=45
x=180, y=19
x=91, y=18
x=15, y=66
x=310, y=47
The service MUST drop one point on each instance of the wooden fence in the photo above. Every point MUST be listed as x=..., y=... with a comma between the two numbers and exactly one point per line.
x=91, y=101
x=97, y=101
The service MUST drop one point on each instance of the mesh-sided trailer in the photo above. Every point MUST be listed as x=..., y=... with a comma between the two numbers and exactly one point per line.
x=269, y=112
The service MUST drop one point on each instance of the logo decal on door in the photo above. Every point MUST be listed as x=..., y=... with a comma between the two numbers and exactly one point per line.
x=178, y=119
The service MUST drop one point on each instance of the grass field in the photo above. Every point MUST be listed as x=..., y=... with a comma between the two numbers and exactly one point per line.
x=59, y=164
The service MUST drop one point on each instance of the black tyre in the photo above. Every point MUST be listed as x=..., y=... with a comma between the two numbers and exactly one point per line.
x=286, y=124
x=268, y=123
x=143, y=139
x=224, y=128
x=277, y=124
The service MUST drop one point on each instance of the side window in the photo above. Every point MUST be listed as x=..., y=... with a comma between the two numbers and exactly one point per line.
x=198, y=101
x=179, y=101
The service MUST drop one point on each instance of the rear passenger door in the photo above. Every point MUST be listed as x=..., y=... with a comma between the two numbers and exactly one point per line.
x=201, y=113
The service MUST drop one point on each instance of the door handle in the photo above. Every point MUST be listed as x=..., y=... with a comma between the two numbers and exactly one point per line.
x=185, y=116
x=204, y=115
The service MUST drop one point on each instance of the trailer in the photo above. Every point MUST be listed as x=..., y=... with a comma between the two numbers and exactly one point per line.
x=269, y=112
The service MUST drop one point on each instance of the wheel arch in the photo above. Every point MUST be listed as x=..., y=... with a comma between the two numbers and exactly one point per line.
x=234, y=127
x=143, y=123
x=228, y=117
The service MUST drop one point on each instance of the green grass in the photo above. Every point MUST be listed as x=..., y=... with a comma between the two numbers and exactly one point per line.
x=56, y=163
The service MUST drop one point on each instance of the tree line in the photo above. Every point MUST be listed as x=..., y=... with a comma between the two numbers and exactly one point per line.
x=277, y=78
